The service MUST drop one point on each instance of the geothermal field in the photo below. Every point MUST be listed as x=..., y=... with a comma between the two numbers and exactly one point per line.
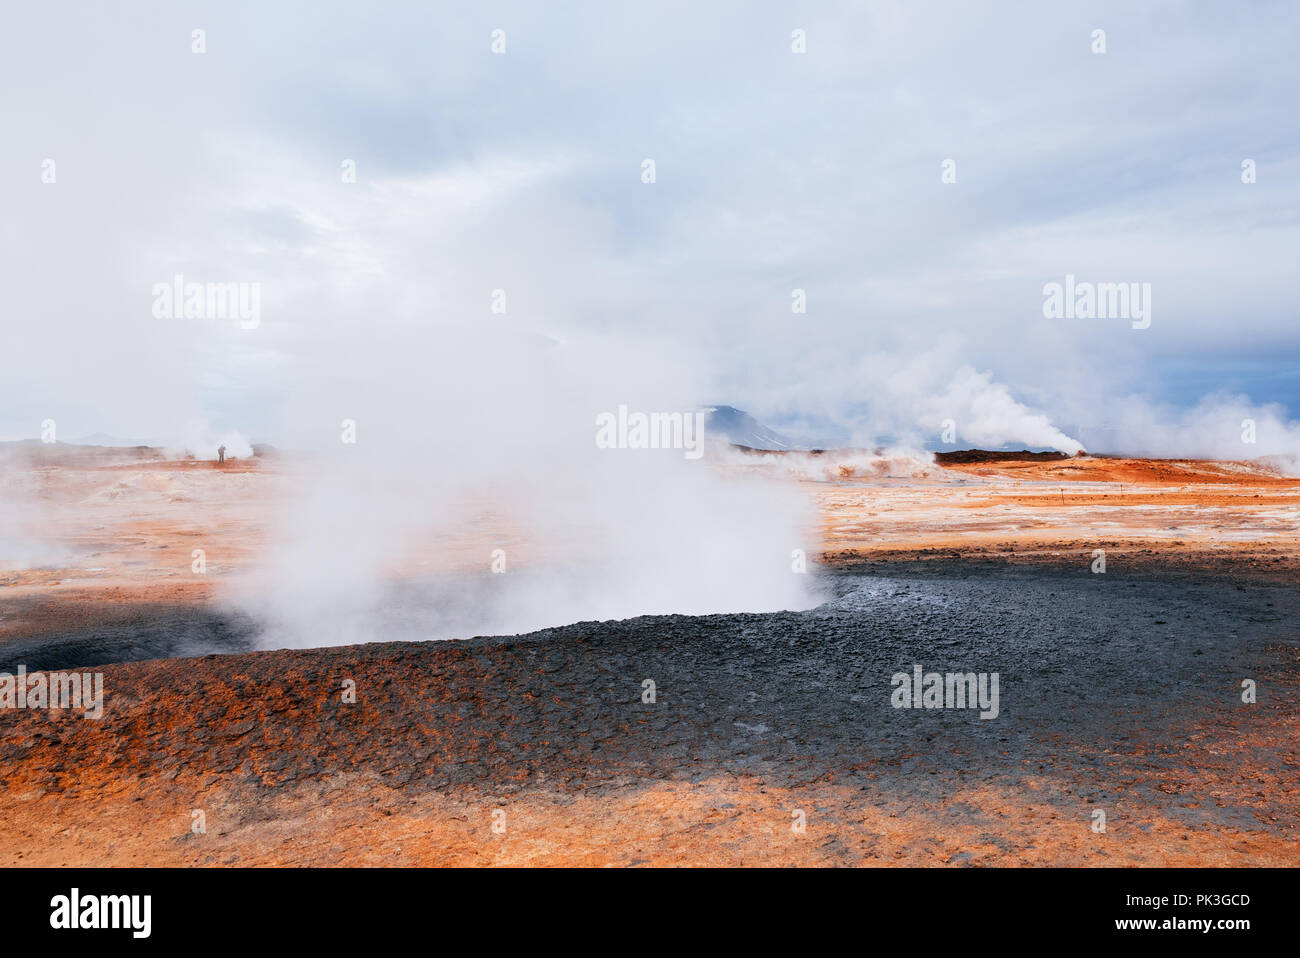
x=483, y=695
x=861, y=437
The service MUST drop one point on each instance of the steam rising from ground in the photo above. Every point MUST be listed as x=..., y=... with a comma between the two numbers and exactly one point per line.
x=200, y=440
x=916, y=398
x=374, y=288
x=25, y=526
x=1218, y=427
x=485, y=443
x=985, y=414
x=834, y=464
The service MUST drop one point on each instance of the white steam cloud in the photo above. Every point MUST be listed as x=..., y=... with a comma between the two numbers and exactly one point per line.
x=473, y=438
x=986, y=414
x=1229, y=427
x=200, y=440
x=911, y=398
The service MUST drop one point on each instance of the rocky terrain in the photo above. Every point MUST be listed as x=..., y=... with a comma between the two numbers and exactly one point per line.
x=768, y=739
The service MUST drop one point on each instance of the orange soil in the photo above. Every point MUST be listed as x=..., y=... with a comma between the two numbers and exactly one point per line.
x=1149, y=512
x=125, y=531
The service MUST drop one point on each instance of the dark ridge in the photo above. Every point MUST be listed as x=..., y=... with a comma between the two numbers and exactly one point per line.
x=987, y=455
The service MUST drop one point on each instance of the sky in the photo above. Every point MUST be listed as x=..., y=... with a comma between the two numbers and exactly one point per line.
x=522, y=170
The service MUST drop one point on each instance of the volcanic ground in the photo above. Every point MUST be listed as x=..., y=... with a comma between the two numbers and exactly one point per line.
x=769, y=739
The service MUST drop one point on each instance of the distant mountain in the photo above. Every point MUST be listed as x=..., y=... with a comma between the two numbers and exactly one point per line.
x=97, y=440
x=743, y=429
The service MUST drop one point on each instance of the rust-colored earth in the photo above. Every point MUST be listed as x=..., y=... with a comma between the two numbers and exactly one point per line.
x=429, y=768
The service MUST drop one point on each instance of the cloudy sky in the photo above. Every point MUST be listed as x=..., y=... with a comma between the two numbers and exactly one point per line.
x=522, y=171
